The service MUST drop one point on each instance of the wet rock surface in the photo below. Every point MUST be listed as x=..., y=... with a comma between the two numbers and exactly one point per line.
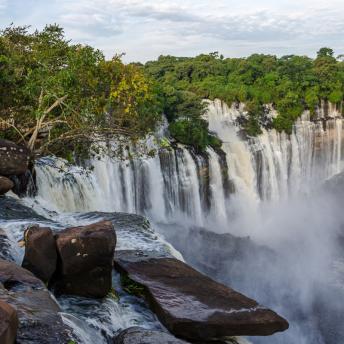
x=8, y=323
x=193, y=306
x=12, y=209
x=40, y=252
x=5, y=246
x=138, y=335
x=5, y=185
x=85, y=260
x=38, y=313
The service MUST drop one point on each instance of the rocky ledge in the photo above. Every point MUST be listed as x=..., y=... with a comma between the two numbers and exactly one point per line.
x=14, y=167
x=138, y=335
x=38, y=314
x=191, y=305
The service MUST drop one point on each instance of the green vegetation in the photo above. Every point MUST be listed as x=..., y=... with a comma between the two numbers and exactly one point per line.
x=290, y=83
x=131, y=287
x=60, y=98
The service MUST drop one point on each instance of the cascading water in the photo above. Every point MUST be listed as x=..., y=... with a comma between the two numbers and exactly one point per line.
x=178, y=182
x=254, y=186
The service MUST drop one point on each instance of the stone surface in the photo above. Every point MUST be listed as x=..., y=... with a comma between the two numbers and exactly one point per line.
x=85, y=260
x=14, y=159
x=5, y=185
x=5, y=246
x=193, y=306
x=138, y=335
x=40, y=252
x=8, y=323
x=39, y=318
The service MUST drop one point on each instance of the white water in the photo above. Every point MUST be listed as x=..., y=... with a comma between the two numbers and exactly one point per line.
x=271, y=175
x=177, y=183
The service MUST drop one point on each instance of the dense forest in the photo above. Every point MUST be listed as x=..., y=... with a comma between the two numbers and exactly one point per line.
x=58, y=97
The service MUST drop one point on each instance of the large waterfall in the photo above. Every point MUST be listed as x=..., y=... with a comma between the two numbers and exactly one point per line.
x=199, y=188
x=262, y=189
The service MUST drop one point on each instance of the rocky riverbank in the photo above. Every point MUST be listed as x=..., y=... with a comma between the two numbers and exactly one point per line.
x=76, y=259
x=80, y=260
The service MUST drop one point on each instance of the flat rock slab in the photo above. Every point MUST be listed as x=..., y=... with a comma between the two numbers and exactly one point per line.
x=138, y=335
x=193, y=306
x=38, y=314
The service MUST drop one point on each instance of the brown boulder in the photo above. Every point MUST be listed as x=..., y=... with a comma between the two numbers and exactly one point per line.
x=5, y=185
x=40, y=252
x=138, y=335
x=193, y=306
x=8, y=323
x=85, y=260
x=38, y=314
x=14, y=159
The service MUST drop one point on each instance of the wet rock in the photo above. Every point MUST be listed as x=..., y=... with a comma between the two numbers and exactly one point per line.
x=5, y=246
x=85, y=260
x=138, y=335
x=8, y=323
x=40, y=252
x=5, y=185
x=14, y=159
x=193, y=306
x=38, y=313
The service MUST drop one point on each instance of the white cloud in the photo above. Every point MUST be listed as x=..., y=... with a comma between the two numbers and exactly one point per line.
x=145, y=29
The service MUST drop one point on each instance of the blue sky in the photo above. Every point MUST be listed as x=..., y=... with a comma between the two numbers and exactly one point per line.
x=146, y=29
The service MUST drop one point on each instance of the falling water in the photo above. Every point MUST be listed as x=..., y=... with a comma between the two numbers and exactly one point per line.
x=177, y=182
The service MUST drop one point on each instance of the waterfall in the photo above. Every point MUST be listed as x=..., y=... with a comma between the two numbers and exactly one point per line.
x=177, y=183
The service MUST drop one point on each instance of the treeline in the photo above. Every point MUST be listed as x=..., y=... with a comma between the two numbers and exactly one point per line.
x=290, y=83
x=59, y=98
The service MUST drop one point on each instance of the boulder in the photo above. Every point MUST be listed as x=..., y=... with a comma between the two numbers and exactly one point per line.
x=8, y=323
x=40, y=252
x=38, y=314
x=138, y=335
x=14, y=159
x=191, y=305
x=5, y=185
x=85, y=260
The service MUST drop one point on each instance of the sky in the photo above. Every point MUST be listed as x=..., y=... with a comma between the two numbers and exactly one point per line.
x=143, y=29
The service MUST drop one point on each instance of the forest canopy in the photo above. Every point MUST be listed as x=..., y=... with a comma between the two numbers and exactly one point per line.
x=58, y=97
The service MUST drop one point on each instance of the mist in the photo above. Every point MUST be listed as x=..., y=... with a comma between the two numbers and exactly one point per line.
x=287, y=255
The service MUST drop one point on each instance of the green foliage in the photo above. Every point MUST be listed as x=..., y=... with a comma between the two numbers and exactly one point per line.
x=60, y=98
x=290, y=83
x=132, y=287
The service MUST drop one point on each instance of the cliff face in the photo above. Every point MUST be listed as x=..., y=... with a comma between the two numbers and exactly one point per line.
x=198, y=187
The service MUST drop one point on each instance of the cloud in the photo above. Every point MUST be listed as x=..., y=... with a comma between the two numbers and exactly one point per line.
x=145, y=29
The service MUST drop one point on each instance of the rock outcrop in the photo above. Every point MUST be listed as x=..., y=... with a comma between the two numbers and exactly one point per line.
x=5, y=185
x=191, y=305
x=14, y=159
x=85, y=260
x=138, y=335
x=16, y=166
x=38, y=313
x=40, y=252
x=8, y=323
